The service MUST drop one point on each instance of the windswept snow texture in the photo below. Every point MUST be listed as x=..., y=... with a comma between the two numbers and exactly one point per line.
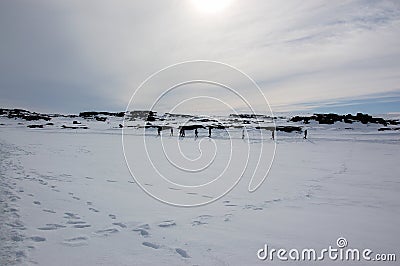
x=67, y=197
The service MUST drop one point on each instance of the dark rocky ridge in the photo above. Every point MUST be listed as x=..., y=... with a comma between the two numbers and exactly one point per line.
x=94, y=114
x=24, y=114
x=232, y=121
x=331, y=118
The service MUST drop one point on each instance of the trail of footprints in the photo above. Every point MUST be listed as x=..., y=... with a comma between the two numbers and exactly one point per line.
x=73, y=220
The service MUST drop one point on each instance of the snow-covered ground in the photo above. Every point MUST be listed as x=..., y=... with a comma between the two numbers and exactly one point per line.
x=68, y=198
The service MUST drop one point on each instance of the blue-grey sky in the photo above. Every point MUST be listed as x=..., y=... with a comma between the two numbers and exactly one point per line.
x=69, y=56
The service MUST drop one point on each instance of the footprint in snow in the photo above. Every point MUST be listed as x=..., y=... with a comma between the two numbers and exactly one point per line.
x=17, y=238
x=151, y=245
x=106, y=232
x=80, y=226
x=167, y=223
x=227, y=217
x=120, y=225
x=182, y=252
x=142, y=232
x=70, y=215
x=201, y=220
x=16, y=225
x=93, y=210
x=37, y=238
x=50, y=227
x=144, y=226
x=76, y=241
x=75, y=222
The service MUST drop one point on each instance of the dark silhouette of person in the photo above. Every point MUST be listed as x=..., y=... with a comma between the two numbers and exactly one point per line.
x=305, y=134
x=196, y=133
x=209, y=132
x=182, y=132
x=273, y=134
x=242, y=133
x=172, y=132
x=159, y=130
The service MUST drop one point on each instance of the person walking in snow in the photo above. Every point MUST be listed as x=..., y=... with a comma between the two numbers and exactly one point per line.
x=182, y=132
x=196, y=133
x=305, y=134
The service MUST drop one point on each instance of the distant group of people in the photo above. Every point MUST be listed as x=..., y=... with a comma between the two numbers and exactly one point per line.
x=182, y=132
x=196, y=133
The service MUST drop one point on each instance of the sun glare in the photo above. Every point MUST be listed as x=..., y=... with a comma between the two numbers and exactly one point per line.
x=212, y=6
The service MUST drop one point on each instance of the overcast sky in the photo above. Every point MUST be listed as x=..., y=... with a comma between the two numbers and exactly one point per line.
x=70, y=56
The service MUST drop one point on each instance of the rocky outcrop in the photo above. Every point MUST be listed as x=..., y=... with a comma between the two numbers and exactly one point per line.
x=35, y=126
x=388, y=128
x=93, y=114
x=24, y=114
x=73, y=127
x=191, y=127
x=288, y=129
x=349, y=119
x=251, y=116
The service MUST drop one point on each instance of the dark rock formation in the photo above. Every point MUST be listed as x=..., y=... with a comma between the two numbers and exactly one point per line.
x=388, y=128
x=69, y=127
x=191, y=127
x=93, y=114
x=101, y=119
x=288, y=129
x=349, y=119
x=35, y=126
x=151, y=116
x=24, y=114
x=251, y=116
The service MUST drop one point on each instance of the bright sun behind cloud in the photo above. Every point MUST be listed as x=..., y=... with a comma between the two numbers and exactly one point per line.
x=211, y=6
